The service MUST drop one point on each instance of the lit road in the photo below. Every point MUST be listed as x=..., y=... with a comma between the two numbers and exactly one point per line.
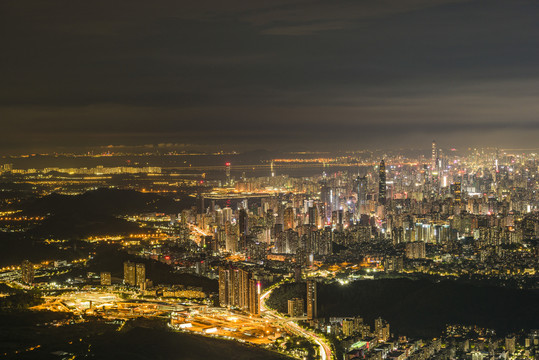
x=325, y=349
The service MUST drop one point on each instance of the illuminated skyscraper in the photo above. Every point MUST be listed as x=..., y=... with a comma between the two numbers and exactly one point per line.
x=244, y=279
x=457, y=191
x=313, y=216
x=243, y=222
x=434, y=156
x=130, y=273
x=254, y=297
x=227, y=173
x=224, y=275
x=382, y=185
x=141, y=275
x=312, y=302
x=361, y=191
x=27, y=272
x=289, y=221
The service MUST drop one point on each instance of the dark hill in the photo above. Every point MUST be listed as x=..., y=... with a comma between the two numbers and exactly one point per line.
x=95, y=213
x=103, y=201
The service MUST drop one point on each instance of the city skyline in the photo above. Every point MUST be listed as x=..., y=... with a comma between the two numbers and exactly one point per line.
x=431, y=247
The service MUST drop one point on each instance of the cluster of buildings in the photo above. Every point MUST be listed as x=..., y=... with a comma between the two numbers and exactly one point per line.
x=239, y=289
x=470, y=342
x=481, y=207
x=361, y=341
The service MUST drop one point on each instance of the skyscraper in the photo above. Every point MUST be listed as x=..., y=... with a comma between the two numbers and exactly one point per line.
x=224, y=275
x=227, y=173
x=141, y=275
x=312, y=302
x=254, y=297
x=288, y=217
x=243, y=222
x=244, y=279
x=130, y=273
x=456, y=187
x=27, y=272
x=434, y=156
x=382, y=185
x=361, y=191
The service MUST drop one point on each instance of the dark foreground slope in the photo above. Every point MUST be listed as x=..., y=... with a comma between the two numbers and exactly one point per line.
x=35, y=335
x=143, y=343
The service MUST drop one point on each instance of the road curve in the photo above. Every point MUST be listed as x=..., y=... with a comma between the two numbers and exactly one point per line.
x=325, y=349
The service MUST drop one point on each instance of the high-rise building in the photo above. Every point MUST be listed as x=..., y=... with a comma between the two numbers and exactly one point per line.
x=106, y=279
x=313, y=215
x=295, y=307
x=382, y=185
x=224, y=275
x=244, y=280
x=227, y=173
x=130, y=273
x=361, y=192
x=234, y=288
x=243, y=220
x=434, y=156
x=312, y=300
x=288, y=218
x=456, y=190
x=141, y=275
x=27, y=272
x=254, y=297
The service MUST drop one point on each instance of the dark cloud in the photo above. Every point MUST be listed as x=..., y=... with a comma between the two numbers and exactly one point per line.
x=271, y=73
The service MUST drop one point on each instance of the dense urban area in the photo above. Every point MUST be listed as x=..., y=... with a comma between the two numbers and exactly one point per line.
x=403, y=254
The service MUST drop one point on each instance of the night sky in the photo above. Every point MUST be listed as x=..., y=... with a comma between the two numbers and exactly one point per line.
x=280, y=74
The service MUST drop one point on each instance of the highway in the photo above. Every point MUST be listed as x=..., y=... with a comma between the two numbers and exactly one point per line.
x=325, y=349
